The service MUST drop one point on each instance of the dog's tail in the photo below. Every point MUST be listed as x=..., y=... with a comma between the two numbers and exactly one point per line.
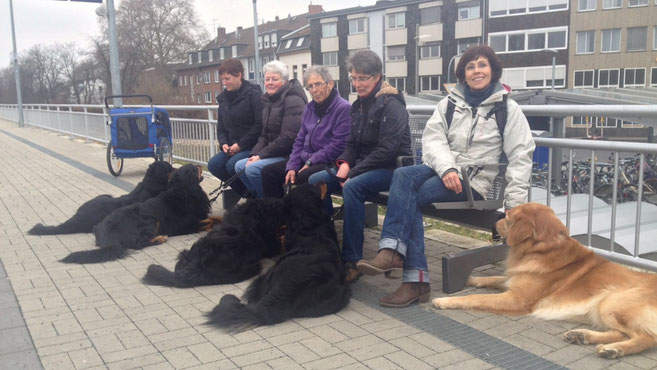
x=160, y=275
x=99, y=255
x=64, y=228
x=233, y=316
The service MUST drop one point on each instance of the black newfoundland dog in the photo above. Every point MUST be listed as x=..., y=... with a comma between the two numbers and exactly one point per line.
x=231, y=252
x=181, y=209
x=93, y=211
x=306, y=281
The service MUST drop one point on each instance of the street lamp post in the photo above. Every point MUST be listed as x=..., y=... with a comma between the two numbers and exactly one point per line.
x=554, y=62
x=255, y=43
x=417, y=61
x=14, y=56
x=449, y=67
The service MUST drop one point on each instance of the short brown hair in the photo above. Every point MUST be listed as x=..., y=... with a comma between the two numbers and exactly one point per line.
x=233, y=67
x=474, y=52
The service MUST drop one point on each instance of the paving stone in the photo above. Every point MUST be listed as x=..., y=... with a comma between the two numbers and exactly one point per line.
x=298, y=353
x=15, y=339
x=180, y=357
x=128, y=353
x=447, y=358
x=85, y=358
x=57, y=361
x=291, y=337
x=108, y=343
x=471, y=364
x=412, y=347
x=321, y=347
x=381, y=363
x=372, y=351
x=64, y=347
x=338, y=361
x=256, y=357
x=136, y=362
x=245, y=348
x=407, y=361
x=284, y=363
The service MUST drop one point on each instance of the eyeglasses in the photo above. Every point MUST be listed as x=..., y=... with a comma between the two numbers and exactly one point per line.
x=316, y=85
x=359, y=79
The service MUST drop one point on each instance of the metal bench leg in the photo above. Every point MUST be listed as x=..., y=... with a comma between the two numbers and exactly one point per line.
x=458, y=267
x=371, y=214
x=230, y=198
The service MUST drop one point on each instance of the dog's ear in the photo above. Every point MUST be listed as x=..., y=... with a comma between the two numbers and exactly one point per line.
x=536, y=226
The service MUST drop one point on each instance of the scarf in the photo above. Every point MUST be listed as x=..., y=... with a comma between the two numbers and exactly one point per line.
x=322, y=107
x=474, y=98
x=232, y=95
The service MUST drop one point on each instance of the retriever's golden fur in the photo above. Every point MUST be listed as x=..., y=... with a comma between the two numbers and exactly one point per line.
x=551, y=276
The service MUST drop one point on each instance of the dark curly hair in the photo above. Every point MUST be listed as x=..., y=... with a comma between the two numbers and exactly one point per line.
x=474, y=52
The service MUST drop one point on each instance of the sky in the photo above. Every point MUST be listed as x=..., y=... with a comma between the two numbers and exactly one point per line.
x=47, y=21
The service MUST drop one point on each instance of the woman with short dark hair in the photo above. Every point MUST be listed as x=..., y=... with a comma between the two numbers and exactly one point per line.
x=470, y=140
x=239, y=122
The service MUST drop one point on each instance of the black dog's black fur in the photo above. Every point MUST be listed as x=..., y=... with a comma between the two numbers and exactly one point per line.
x=307, y=281
x=231, y=252
x=93, y=211
x=178, y=210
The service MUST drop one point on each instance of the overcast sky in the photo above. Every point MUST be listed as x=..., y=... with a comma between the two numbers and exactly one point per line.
x=48, y=21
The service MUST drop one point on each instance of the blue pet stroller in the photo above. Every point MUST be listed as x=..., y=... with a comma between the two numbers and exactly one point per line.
x=137, y=133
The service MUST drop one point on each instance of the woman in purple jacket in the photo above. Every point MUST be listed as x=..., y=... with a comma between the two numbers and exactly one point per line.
x=323, y=136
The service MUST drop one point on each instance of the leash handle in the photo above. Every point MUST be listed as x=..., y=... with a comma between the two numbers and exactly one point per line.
x=225, y=185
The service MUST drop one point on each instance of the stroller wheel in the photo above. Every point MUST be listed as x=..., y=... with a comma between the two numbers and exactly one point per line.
x=114, y=163
x=165, y=153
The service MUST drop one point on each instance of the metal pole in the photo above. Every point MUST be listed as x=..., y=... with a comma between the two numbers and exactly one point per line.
x=554, y=67
x=19, y=95
x=449, y=68
x=255, y=42
x=114, y=53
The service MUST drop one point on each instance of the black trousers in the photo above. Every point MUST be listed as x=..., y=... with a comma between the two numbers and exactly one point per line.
x=273, y=177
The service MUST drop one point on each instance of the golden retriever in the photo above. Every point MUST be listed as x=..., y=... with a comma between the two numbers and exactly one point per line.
x=551, y=276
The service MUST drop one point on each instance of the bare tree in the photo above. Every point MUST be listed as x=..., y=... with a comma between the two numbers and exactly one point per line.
x=43, y=65
x=81, y=74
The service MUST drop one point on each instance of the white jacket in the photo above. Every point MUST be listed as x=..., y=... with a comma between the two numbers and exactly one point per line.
x=473, y=140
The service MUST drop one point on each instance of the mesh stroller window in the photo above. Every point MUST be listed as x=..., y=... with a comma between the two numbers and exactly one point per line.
x=132, y=132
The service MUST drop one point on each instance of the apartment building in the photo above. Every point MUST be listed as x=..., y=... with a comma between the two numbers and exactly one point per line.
x=294, y=51
x=198, y=79
x=530, y=36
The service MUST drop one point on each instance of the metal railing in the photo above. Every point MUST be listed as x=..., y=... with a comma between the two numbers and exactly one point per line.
x=194, y=141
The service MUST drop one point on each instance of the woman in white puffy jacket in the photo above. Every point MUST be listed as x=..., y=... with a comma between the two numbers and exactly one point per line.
x=472, y=139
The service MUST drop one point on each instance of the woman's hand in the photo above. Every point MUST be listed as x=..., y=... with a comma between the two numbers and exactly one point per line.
x=452, y=182
x=291, y=177
x=343, y=172
x=234, y=149
x=305, y=167
x=252, y=159
x=226, y=149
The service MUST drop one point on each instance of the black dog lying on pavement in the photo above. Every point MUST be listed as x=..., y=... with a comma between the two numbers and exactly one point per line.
x=306, y=281
x=181, y=209
x=231, y=252
x=95, y=210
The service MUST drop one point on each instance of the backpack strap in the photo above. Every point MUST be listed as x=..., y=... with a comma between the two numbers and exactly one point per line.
x=499, y=110
x=449, y=113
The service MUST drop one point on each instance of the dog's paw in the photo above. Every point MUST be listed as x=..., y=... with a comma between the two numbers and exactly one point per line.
x=208, y=223
x=160, y=239
x=439, y=303
x=574, y=337
x=608, y=351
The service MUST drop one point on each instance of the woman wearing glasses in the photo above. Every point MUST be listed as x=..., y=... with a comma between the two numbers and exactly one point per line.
x=472, y=137
x=379, y=134
x=281, y=118
x=323, y=135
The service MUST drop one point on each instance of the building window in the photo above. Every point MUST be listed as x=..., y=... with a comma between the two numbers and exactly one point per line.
x=198, y=98
x=251, y=69
x=654, y=37
x=636, y=38
x=356, y=26
x=635, y=77
x=303, y=69
x=610, y=40
x=429, y=83
x=612, y=4
x=463, y=45
x=222, y=53
x=583, y=79
x=469, y=10
x=632, y=3
x=300, y=41
x=210, y=55
x=586, y=42
x=295, y=72
x=216, y=76
x=329, y=29
x=529, y=40
x=501, y=8
x=430, y=51
x=608, y=77
x=200, y=56
x=208, y=97
x=398, y=82
x=206, y=77
x=190, y=59
x=587, y=5
x=534, y=77
x=274, y=40
x=266, y=41
x=186, y=80
x=234, y=51
x=397, y=20
x=288, y=44
x=198, y=78
x=430, y=15
x=259, y=42
x=330, y=59
x=653, y=76
x=396, y=53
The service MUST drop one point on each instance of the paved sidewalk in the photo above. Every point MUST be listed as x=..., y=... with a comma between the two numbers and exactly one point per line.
x=60, y=316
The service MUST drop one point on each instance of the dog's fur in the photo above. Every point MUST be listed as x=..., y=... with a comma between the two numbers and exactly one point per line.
x=551, y=276
x=306, y=281
x=178, y=210
x=231, y=252
x=93, y=211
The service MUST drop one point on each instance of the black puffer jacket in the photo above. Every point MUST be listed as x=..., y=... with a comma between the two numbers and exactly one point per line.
x=240, y=121
x=281, y=120
x=379, y=131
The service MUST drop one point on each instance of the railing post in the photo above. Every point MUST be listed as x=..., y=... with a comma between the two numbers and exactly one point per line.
x=86, y=125
x=59, y=123
x=558, y=131
x=211, y=133
x=70, y=118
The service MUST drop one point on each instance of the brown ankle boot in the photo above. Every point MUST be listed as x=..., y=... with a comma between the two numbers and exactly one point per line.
x=406, y=294
x=387, y=261
x=351, y=273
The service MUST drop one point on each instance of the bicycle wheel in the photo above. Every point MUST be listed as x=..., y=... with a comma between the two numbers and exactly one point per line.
x=114, y=163
x=164, y=152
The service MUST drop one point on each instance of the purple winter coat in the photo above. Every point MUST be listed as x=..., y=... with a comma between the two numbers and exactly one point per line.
x=321, y=140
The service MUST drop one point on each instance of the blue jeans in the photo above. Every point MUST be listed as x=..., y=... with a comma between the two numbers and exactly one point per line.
x=252, y=177
x=355, y=192
x=223, y=168
x=403, y=230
